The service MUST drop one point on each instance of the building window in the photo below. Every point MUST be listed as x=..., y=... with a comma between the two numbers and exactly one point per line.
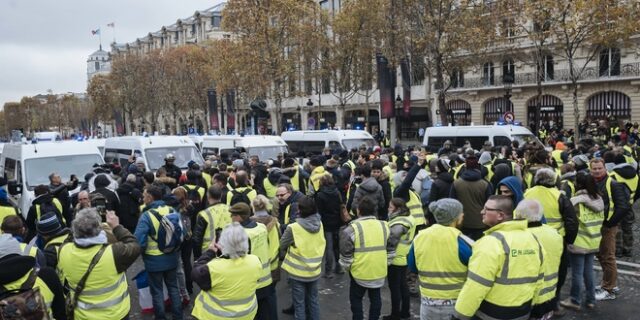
x=508, y=71
x=546, y=70
x=177, y=37
x=193, y=29
x=97, y=65
x=216, y=21
x=610, y=62
x=487, y=74
x=457, y=78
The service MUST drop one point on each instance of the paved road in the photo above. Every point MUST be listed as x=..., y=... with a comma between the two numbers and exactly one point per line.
x=334, y=300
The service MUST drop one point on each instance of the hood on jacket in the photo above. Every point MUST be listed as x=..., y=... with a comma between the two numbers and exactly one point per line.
x=571, y=175
x=471, y=175
x=311, y=223
x=274, y=175
x=445, y=176
x=268, y=221
x=14, y=267
x=514, y=184
x=44, y=198
x=369, y=185
x=625, y=170
x=382, y=177
x=166, y=180
x=329, y=190
x=501, y=171
x=582, y=197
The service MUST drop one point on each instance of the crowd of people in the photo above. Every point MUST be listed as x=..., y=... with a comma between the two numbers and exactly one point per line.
x=486, y=234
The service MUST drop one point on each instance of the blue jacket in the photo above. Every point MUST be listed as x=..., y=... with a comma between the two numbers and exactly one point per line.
x=144, y=229
x=515, y=185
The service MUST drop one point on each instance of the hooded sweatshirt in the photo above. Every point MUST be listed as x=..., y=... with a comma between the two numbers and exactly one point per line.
x=370, y=188
x=627, y=171
x=310, y=224
x=472, y=191
x=595, y=204
x=514, y=184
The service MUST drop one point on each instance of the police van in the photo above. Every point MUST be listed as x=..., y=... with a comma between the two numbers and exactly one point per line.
x=498, y=135
x=152, y=150
x=314, y=141
x=47, y=136
x=264, y=146
x=25, y=166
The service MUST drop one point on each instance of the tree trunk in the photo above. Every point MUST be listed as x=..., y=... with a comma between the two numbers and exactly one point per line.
x=366, y=112
x=441, y=93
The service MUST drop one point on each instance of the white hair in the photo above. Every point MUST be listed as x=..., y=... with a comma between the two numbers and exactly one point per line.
x=86, y=224
x=131, y=178
x=529, y=209
x=545, y=177
x=234, y=241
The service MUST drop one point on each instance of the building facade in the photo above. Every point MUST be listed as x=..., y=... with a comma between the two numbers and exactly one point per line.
x=98, y=62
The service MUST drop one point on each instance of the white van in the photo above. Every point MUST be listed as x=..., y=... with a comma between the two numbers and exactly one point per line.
x=218, y=145
x=315, y=141
x=498, y=135
x=152, y=150
x=47, y=136
x=26, y=166
x=264, y=146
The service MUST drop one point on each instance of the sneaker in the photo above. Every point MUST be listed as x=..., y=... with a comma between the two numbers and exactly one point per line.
x=615, y=289
x=605, y=295
x=591, y=306
x=567, y=303
x=559, y=312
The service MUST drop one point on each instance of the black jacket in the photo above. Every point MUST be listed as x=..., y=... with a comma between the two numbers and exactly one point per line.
x=113, y=202
x=627, y=171
x=14, y=267
x=259, y=172
x=173, y=171
x=441, y=187
x=130, y=199
x=32, y=218
x=620, y=196
x=329, y=203
x=383, y=180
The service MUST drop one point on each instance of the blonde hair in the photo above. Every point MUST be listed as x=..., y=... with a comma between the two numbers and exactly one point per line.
x=260, y=203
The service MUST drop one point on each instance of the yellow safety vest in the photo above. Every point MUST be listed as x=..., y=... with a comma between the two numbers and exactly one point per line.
x=402, y=250
x=259, y=239
x=304, y=256
x=557, y=155
x=251, y=195
x=440, y=271
x=611, y=205
x=152, y=246
x=489, y=175
x=28, y=250
x=207, y=179
x=551, y=241
x=233, y=290
x=56, y=242
x=217, y=217
x=548, y=197
x=389, y=173
x=632, y=184
x=190, y=187
x=504, y=271
x=370, y=249
x=572, y=187
x=274, y=246
x=295, y=181
x=415, y=208
x=6, y=211
x=314, y=180
x=47, y=294
x=106, y=294
x=589, y=234
x=269, y=188
x=58, y=206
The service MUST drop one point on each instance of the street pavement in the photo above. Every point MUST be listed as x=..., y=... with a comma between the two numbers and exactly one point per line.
x=334, y=299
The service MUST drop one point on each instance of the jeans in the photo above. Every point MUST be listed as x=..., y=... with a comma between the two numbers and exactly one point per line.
x=267, y=303
x=436, y=312
x=182, y=285
x=397, y=278
x=607, y=258
x=582, y=270
x=356, y=293
x=305, y=300
x=170, y=278
x=562, y=271
x=185, y=252
x=331, y=252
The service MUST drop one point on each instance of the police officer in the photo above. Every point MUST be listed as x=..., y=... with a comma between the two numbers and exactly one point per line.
x=504, y=268
x=363, y=251
x=173, y=171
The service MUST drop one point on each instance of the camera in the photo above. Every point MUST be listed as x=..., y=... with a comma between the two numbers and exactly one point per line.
x=101, y=205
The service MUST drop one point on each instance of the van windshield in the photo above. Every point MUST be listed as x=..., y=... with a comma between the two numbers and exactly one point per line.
x=525, y=138
x=38, y=170
x=155, y=157
x=265, y=153
x=356, y=143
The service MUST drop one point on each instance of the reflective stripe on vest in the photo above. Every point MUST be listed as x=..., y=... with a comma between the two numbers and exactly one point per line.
x=259, y=240
x=548, y=197
x=440, y=271
x=304, y=258
x=217, y=217
x=59, y=214
x=152, y=245
x=232, y=292
x=106, y=294
x=39, y=285
x=552, y=243
x=589, y=225
x=415, y=208
x=402, y=250
x=274, y=245
x=370, y=249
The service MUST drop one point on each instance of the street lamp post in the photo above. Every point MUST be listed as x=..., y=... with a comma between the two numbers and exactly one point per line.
x=507, y=80
x=394, y=131
x=309, y=106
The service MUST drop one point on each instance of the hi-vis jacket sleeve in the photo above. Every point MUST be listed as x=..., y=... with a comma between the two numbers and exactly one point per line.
x=485, y=263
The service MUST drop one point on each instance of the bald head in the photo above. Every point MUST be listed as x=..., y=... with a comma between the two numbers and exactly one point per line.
x=242, y=178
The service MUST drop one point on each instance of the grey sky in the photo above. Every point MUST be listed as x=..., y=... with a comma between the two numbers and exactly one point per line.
x=44, y=44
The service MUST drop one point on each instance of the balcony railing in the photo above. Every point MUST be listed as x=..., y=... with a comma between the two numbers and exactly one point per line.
x=627, y=70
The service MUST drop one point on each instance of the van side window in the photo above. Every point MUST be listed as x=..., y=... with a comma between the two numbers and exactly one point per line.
x=110, y=155
x=476, y=142
x=501, y=141
x=9, y=169
x=306, y=146
x=18, y=172
x=333, y=145
x=435, y=143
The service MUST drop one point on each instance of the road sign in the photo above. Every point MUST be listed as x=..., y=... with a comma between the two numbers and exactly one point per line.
x=311, y=122
x=509, y=117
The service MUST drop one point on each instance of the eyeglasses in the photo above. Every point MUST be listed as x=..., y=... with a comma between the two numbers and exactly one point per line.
x=492, y=209
x=281, y=195
x=81, y=199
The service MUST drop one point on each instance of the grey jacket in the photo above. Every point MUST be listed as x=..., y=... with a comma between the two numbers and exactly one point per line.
x=372, y=189
x=311, y=224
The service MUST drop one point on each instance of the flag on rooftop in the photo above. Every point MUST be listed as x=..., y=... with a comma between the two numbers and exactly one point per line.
x=96, y=31
x=112, y=25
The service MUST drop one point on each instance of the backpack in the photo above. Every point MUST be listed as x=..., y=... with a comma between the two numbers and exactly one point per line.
x=49, y=206
x=426, y=191
x=25, y=303
x=170, y=231
x=195, y=201
x=240, y=196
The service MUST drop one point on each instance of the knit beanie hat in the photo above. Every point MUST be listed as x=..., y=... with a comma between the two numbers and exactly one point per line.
x=317, y=161
x=443, y=165
x=288, y=162
x=446, y=210
x=101, y=181
x=485, y=158
x=240, y=209
x=8, y=245
x=49, y=225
